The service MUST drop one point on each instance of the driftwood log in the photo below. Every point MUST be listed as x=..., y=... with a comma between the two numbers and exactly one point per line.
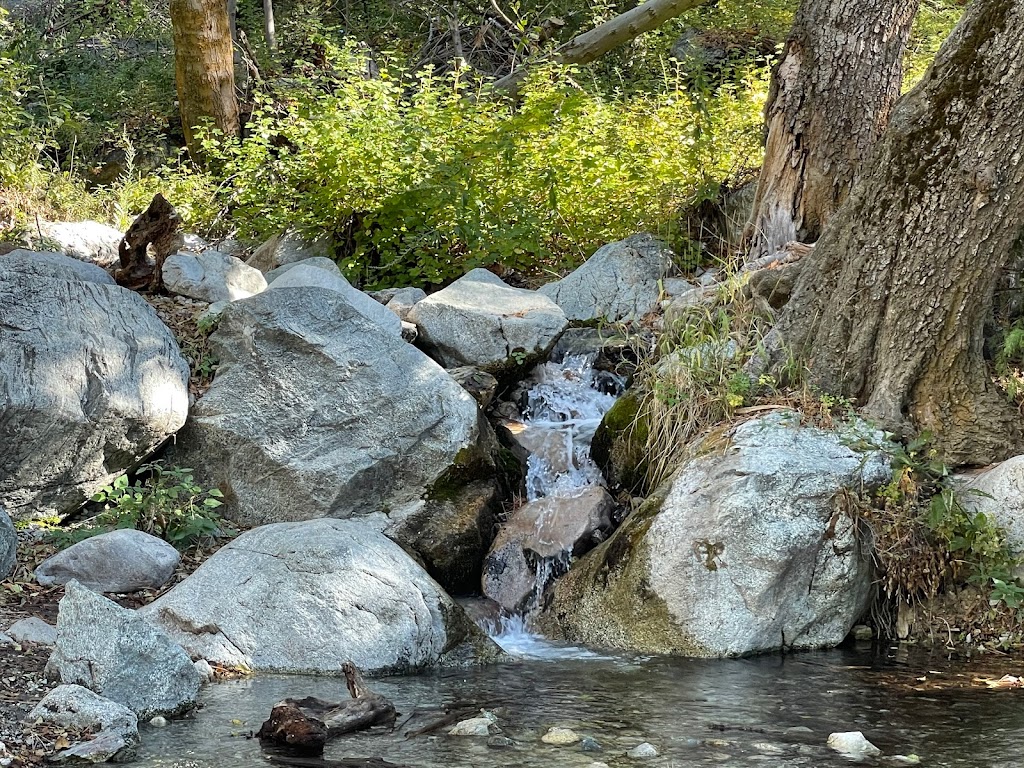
x=151, y=238
x=303, y=726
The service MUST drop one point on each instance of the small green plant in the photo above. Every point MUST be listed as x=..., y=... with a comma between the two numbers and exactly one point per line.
x=168, y=503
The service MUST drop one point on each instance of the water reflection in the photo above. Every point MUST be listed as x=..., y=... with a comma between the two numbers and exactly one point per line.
x=775, y=711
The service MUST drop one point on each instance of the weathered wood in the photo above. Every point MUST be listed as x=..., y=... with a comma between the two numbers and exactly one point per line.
x=305, y=725
x=891, y=304
x=831, y=96
x=595, y=43
x=151, y=238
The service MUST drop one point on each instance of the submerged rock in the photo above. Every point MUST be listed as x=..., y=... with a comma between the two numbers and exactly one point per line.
x=90, y=383
x=305, y=598
x=619, y=282
x=560, y=737
x=852, y=744
x=643, y=751
x=124, y=560
x=119, y=655
x=479, y=320
x=744, y=551
x=316, y=411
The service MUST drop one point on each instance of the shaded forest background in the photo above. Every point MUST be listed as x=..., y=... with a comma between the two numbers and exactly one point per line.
x=371, y=121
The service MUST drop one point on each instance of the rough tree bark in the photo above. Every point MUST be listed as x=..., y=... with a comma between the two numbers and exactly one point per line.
x=204, y=66
x=830, y=99
x=592, y=45
x=890, y=306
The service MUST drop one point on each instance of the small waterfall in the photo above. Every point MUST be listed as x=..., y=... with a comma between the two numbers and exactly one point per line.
x=564, y=407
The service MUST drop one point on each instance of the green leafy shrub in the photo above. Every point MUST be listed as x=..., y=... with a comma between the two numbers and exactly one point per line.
x=168, y=503
x=421, y=181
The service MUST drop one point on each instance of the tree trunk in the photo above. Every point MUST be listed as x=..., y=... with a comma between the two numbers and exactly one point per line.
x=204, y=67
x=830, y=100
x=269, y=30
x=592, y=45
x=890, y=306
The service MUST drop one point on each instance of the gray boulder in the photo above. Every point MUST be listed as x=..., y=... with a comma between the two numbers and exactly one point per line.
x=287, y=248
x=32, y=630
x=998, y=491
x=402, y=300
x=306, y=597
x=90, y=382
x=619, y=282
x=84, y=240
x=211, y=276
x=124, y=560
x=52, y=265
x=740, y=553
x=8, y=545
x=320, y=262
x=119, y=655
x=78, y=708
x=538, y=540
x=316, y=411
x=479, y=320
x=304, y=276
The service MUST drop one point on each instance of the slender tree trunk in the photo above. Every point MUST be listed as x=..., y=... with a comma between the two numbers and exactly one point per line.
x=890, y=306
x=830, y=100
x=269, y=30
x=592, y=45
x=204, y=66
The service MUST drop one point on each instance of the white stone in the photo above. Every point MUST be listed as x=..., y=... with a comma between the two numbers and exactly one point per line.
x=479, y=320
x=85, y=240
x=33, y=630
x=560, y=736
x=852, y=744
x=643, y=751
x=211, y=276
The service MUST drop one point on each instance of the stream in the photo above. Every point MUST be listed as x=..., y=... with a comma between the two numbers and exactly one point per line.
x=695, y=712
x=766, y=711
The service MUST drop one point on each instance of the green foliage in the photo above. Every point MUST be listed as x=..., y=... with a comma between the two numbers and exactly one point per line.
x=168, y=503
x=698, y=379
x=928, y=541
x=423, y=181
x=934, y=21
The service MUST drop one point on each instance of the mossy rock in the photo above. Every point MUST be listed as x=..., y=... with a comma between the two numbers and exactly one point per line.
x=619, y=445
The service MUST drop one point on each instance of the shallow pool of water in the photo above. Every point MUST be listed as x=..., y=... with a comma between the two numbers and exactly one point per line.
x=766, y=711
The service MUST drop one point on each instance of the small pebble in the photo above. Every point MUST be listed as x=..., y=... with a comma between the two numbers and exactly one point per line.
x=767, y=749
x=590, y=744
x=475, y=726
x=641, y=751
x=159, y=721
x=560, y=737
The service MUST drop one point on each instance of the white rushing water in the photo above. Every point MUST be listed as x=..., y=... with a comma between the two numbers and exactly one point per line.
x=565, y=405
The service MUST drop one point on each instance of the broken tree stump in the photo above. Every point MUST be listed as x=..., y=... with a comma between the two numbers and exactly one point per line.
x=151, y=238
x=305, y=725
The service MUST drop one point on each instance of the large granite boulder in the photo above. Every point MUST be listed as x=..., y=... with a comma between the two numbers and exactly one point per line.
x=90, y=382
x=211, y=276
x=76, y=708
x=306, y=597
x=8, y=545
x=316, y=411
x=116, y=653
x=619, y=282
x=320, y=262
x=84, y=240
x=479, y=320
x=124, y=560
x=305, y=275
x=52, y=265
x=744, y=551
